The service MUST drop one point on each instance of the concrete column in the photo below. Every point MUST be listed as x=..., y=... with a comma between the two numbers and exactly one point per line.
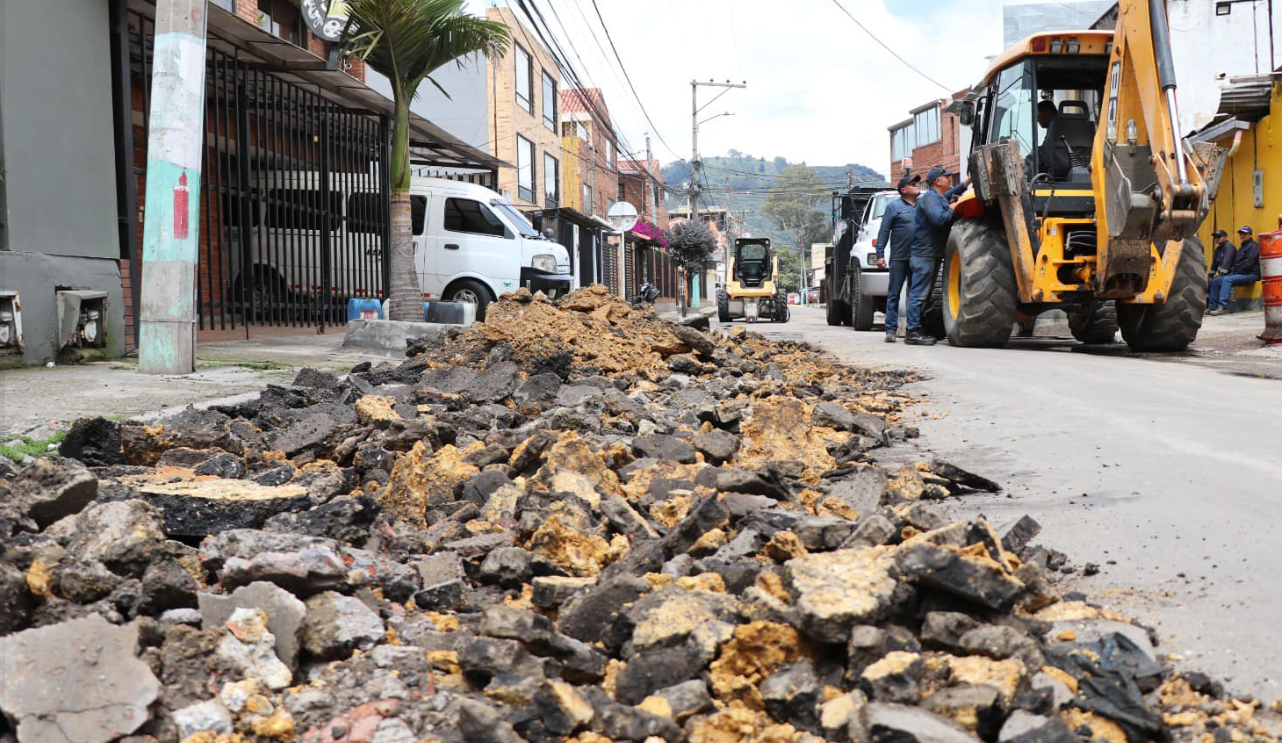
x=171, y=227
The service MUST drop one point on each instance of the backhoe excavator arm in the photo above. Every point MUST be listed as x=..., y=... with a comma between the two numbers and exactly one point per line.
x=1151, y=184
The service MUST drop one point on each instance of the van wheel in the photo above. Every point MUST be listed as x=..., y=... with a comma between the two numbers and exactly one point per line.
x=470, y=291
x=263, y=296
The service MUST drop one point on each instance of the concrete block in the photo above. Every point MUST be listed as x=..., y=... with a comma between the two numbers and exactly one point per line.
x=387, y=335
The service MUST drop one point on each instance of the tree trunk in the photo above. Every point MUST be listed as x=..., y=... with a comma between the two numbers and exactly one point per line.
x=403, y=295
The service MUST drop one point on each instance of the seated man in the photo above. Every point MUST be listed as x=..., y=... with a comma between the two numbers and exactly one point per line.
x=1244, y=270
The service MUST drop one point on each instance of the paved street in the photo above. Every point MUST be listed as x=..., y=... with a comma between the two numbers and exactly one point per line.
x=1164, y=472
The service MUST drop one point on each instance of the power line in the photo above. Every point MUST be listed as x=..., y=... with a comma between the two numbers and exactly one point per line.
x=883, y=45
x=627, y=77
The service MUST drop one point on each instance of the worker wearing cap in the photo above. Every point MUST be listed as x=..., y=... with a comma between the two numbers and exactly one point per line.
x=933, y=219
x=895, y=239
x=1223, y=255
x=1243, y=270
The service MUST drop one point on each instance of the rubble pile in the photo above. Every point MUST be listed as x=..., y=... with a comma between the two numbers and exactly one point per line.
x=574, y=523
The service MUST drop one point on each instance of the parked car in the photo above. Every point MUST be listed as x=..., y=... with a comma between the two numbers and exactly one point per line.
x=470, y=244
x=814, y=295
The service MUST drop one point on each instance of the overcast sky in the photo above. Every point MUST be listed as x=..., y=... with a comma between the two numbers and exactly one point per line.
x=819, y=89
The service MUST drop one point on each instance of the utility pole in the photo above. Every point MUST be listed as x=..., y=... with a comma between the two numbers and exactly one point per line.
x=694, y=134
x=171, y=227
x=651, y=208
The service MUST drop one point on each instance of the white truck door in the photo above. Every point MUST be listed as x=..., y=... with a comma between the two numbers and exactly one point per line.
x=475, y=242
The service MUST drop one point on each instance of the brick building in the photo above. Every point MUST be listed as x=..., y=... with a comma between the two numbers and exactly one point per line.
x=523, y=88
x=930, y=136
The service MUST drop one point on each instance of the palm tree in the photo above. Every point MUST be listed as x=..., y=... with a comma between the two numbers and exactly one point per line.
x=405, y=41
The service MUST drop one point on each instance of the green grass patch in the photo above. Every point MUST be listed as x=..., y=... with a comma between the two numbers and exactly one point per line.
x=31, y=447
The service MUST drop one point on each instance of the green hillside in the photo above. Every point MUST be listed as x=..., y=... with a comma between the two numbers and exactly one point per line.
x=741, y=182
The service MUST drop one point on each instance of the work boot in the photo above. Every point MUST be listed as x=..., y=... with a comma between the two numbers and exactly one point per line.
x=918, y=338
x=890, y=337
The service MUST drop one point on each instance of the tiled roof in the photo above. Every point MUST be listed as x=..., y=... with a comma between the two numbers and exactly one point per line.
x=572, y=102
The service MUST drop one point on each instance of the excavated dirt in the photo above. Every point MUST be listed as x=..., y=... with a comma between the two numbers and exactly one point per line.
x=573, y=522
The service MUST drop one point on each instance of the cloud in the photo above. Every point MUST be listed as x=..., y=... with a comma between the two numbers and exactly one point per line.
x=819, y=89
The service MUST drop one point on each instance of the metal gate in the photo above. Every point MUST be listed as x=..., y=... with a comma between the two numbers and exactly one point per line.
x=294, y=196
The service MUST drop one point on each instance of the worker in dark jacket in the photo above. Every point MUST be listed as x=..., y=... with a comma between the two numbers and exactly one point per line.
x=1222, y=258
x=895, y=238
x=933, y=219
x=1244, y=270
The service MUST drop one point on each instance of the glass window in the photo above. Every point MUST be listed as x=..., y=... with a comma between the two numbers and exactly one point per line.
x=364, y=213
x=418, y=213
x=551, y=180
x=302, y=209
x=280, y=18
x=524, y=168
x=926, y=124
x=1013, y=107
x=879, y=204
x=466, y=215
x=514, y=217
x=549, y=102
x=623, y=190
x=231, y=205
x=587, y=199
x=524, y=79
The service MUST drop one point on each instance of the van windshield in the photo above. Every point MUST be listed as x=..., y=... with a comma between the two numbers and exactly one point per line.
x=514, y=217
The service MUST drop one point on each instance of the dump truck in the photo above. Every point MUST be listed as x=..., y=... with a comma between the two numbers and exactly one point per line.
x=854, y=286
x=751, y=292
x=1086, y=197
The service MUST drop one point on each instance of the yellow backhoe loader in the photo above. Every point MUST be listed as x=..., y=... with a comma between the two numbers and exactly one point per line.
x=1086, y=196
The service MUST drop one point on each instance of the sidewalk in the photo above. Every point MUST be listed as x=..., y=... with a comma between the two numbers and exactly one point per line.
x=40, y=401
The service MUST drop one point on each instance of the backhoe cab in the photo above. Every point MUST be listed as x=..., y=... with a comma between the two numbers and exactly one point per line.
x=750, y=292
x=1085, y=196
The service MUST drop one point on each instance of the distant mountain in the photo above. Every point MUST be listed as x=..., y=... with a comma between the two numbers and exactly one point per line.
x=740, y=182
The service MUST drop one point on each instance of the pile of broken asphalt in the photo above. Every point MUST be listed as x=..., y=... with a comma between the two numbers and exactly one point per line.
x=571, y=522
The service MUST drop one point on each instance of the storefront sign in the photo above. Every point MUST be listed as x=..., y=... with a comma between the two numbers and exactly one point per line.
x=325, y=18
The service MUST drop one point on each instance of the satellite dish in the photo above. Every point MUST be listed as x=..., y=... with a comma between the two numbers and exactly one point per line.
x=623, y=216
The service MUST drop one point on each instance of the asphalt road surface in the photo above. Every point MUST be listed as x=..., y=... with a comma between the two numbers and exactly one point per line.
x=1167, y=473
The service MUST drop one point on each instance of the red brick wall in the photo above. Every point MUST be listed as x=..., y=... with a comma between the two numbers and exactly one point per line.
x=248, y=9
x=945, y=152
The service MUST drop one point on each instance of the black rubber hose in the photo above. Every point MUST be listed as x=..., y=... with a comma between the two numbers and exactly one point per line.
x=1162, y=43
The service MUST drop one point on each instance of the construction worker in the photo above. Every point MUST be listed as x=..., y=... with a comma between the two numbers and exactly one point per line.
x=1244, y=270
x=895, y=239
x=1046, y=113
x=1223, y=255
x=932, y=220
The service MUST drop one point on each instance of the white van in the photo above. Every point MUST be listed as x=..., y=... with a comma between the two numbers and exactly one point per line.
x=470, y=244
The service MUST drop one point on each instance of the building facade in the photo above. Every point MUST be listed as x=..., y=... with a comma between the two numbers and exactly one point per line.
x=292, y=195
x=931, y=135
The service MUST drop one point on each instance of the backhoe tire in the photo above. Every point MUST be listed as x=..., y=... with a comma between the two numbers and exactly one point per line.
x=861, y=305
x=980, y=294
x=836, y=312
x=932, y=311
x=723, y=306
x=1172, y=325
x=1094, y=322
